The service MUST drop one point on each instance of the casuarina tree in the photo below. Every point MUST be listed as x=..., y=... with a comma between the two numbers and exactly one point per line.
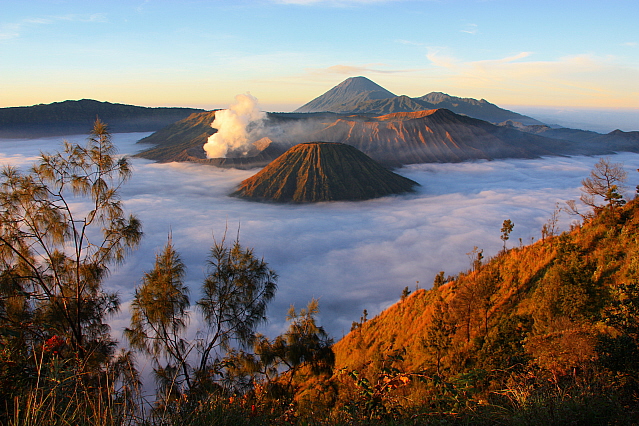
x=506, y=229
x=62, y=225
x=235, y=294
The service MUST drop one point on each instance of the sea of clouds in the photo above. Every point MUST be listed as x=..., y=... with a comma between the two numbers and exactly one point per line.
x=350, y=255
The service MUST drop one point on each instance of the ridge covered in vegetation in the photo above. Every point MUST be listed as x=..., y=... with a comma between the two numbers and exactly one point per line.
x=74, y=117
x=539, y=334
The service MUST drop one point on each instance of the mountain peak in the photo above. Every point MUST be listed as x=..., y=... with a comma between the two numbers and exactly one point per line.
x=359, y=95
x=351, y=91
x=362, y=84
x=436, y=97
x=322, y=171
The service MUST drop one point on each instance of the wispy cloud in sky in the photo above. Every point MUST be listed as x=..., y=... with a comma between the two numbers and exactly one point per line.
x=438, y=57
x=94, y=17
x=141, y=6
x=573, y=79
x=16, y=29
x=9, y=31
x=470, y=29
x=352, y=70
x=333, y=2
x=409, y=42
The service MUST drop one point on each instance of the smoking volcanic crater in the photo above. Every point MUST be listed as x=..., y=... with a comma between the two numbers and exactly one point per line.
x=323, y=171
x=362, y=120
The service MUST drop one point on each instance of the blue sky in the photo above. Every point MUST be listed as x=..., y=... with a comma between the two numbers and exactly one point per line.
x=286, y=52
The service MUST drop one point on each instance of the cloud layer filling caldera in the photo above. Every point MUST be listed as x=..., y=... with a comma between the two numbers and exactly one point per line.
x=350, y=255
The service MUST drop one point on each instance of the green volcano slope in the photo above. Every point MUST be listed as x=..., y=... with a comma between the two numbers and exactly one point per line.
x=322, y=171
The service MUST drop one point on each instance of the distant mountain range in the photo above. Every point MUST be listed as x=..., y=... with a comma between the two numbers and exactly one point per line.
x=436, y=135
x=359, y=95
x=77, y=117
x=393, y=139
x=392, y=130
x=322, y=171
x=585, y=142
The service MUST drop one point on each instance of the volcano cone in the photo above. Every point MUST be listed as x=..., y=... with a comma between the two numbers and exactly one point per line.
x=323, y=171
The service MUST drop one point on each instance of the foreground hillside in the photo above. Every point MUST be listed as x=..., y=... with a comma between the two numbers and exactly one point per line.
x=556, y=322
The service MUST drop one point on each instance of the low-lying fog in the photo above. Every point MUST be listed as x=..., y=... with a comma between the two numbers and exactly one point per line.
x=351, y=255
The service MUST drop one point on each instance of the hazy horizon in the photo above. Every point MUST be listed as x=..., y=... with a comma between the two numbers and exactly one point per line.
x=601, y=120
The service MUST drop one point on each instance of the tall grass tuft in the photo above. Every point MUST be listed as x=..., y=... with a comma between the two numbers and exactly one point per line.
x=64, y=394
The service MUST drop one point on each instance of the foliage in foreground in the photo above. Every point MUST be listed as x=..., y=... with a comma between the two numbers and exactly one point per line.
x=542, y=334
x=62, y=226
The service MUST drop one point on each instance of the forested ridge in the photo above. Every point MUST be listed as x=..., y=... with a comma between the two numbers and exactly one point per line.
x=568, y=279
x=546, y=333
x=74, y=117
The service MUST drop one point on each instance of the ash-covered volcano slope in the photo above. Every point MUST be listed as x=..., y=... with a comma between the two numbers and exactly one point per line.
x=321, y=171
x=393, y=139
x=437, y=136
x=184, y=141
x=404, y=136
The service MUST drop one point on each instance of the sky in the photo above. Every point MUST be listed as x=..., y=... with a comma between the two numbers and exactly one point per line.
x=564, y=55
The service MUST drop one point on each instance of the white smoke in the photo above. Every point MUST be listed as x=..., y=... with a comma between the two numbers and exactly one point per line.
x=237, y=127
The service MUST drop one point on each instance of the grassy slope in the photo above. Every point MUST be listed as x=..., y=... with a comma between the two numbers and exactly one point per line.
x=533, y=291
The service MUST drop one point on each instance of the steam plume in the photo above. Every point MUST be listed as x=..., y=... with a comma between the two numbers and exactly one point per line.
x=236, y=127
